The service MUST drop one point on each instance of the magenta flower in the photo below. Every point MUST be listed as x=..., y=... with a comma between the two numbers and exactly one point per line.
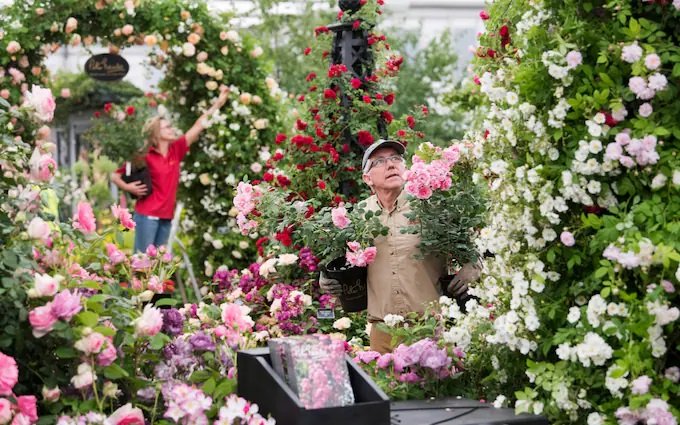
x=123, y=214
x=116, y=256
x=65, y=305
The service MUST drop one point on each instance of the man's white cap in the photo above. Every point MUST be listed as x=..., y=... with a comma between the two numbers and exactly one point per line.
x=381, y=143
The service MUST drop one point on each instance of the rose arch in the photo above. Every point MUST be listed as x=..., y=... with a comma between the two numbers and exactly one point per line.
x=198, y=52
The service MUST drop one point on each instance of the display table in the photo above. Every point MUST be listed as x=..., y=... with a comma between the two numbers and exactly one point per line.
x=258, y=383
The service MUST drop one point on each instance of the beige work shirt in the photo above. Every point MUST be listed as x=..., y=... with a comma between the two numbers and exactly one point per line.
x=398, y=283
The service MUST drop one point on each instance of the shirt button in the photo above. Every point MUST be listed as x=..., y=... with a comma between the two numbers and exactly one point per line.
x=394, y=272
x=396, y=291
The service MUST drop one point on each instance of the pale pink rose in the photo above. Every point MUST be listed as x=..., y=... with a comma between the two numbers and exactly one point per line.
x=129, y=6
x=38, y=229
x=27, y=406
x=202, y=57
x=574, y=59
x=645, y=110
x=91, y=344
x=150, y=40
x=84, y=219
x=42, y=320
x=65, y=93
x=71, y=25
x=150, y=322
x=369, y=254
x=256, y=52
x=51, y=394
x=627, y=161
x=155, y=284
x=127, y=29
x=13, y=47
x=5, y=411
x=567, y=238
x=631, y=53
x=85, y=377
x=667, y=286
x=45, y=168
x=641, y=385
x=4, y=93
x=223, y=35
x=17, y=77
x=339, y=217
x=116, y=256
x=41, y=101
x=652, y=61
x=236, y=317
x=123, y=214
x=353, y=245
x=126, y=415
x=220, y=331
x=45, y=285
x=140, y=262
x=65, y=304
x=9, y=374
x=108, y=355
x=188, y=49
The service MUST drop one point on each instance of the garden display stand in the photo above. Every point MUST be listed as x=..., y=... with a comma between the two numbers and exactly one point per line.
x=259, y=383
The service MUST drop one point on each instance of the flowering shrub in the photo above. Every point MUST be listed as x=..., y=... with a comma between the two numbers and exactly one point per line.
x=447, y=205
x=576, y=142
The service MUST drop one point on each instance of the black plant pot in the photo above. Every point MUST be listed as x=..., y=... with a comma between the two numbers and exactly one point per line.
x=354, y=284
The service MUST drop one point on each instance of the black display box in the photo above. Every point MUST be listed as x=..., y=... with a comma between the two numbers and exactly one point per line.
x=455, y=411
x=259, y=383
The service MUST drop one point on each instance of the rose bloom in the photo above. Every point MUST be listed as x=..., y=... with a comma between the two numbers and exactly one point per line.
x=42, y=320
x=38, y=229
x=342, y=323
x=193, y=38
x=150, y=40
x=46, y=285
x=65, y=305
x=567, y=238
x=150, y=322
x=51, y=394
x=91, y=344
x=13, y=47
x=188, y=49
x=41, y=101
x=123, y=214
x=4, y=93
x=126, y=415
x=652, y=61
x=27, y=406
x=127, y=29
x=9, y=374
x=71, y=25
x=256, y=52
x=5, y=411
x=245, y=98
x=233, y=36
x=202, y=56
x=84, y=219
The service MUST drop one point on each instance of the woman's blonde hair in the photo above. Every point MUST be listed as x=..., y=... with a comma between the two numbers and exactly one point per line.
x=152, y=134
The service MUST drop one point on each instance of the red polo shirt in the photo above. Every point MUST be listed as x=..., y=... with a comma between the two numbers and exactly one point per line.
x=164, y=172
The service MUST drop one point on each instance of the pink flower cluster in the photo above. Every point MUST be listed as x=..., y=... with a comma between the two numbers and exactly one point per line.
x=288, y=306
x=629, y=152
x=236, y=320
x=423, y=178
x=245, y=201
x=646, y=89
x=238, y=410
x=185, y=404
x=360, y=257
x=97, y=344
x=423, y=360
x=656, y=412
x=64, y=306
x=123, y=214
x=17, y=409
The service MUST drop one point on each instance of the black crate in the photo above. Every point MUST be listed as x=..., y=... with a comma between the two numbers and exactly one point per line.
x=259, y=383
x=454, y=411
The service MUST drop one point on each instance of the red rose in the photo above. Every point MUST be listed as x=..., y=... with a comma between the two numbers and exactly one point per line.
x=321, y=184
x=283, y=180
x=401, y=133
x=484, y=15
x=320, y=134
x=310, y=211
x=356, y=83
x=410, y=121
x=491, y=53
x=340, y=14
x=345, y=148
x=387, y=116
x=364, y=138
x=356, y=24
x=389, y=99
x=504, y=31
x=307, y=50
x=609, y=119
x=476, y=80
x=130, y=110
x=425, y=110
x=310, y=76
x=267, y=176
x=301, y=125
x=280, y=138
x=366, y=99
x=320, y=30
x=97, y=114
x=278, y=156
x=301, y=98
x=329, y=94
x=107, y=107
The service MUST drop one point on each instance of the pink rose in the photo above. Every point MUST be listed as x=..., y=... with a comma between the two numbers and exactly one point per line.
x=42, y=320
x=155, y=284
x=126, y=415
x=116, y=256
x=641, y=385
x=38, y=229
x=41, y=101
x=65, y=305
x=108, y=355
x=127, y=29
x=27, y=406
x=46, y=285
x=150, y=322
x=84, y=219
x=51, y=394
x=567, y=238
x=71, y=25
x=4, y=93
x=65, y=93
x=339, y=217
x=91, y=344
x=236, y=317
x=123, y=214
x=5, y=411
x=9, y=374
x=667, y=286
x=13, y=47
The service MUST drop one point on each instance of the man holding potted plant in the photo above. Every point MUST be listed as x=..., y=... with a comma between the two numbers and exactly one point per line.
x=399, y=280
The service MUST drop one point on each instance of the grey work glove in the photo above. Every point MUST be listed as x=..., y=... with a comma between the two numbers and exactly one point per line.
x=470, y=272
x=329, y=286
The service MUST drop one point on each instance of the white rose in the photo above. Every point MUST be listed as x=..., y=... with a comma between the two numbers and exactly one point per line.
x=211, y=85
x=188, y=49
x=658, y=181
x=342, y=323
x=38, y=229
x=243, y=244
x=256, y=52
x=261, y=123
x=232, y=36
x=287, y=259
x=41, y=101
x=217, y=244
x=204, y=179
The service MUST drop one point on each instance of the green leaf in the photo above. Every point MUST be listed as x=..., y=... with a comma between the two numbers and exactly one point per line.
x=200, y=376
x=158, y=341
x=105, y=330
x=66, y=352
x=115, y=372
x=209, y=386
x=226, y=387
x=88, y=318
x=601, y=272
x=605, y=292
x=166, y=301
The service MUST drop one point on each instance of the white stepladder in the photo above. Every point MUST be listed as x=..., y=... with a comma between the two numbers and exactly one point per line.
x=172, y=240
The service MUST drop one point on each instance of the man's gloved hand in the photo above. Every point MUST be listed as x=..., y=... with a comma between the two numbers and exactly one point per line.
x=329, y=286
x=468, y=273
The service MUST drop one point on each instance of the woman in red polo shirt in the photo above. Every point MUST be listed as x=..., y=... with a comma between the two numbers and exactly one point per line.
x=163, y=154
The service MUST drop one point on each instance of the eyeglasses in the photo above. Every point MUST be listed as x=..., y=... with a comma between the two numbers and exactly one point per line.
x=379, y=162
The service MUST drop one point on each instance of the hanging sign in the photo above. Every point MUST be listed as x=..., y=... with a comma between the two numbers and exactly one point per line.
x=106, y=67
